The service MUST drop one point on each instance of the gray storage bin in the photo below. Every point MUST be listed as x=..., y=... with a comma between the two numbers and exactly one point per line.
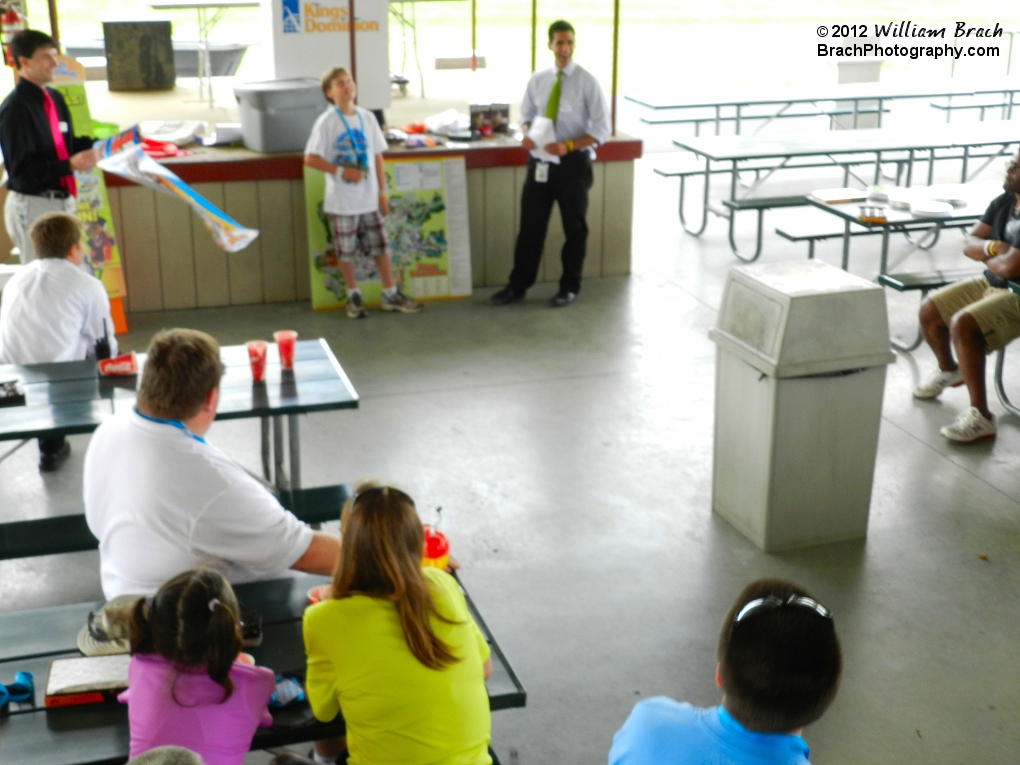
x=277, y=115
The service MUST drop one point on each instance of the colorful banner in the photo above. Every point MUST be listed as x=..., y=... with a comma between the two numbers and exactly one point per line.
x=102, y=254
x=427, y=229
x=131, y=163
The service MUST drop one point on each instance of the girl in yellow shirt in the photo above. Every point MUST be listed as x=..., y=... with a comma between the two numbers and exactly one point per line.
x=395, y=649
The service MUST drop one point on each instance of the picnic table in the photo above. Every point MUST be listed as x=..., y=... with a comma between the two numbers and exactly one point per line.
x=973, y=199
x=97, y=734
x=861, y=97
x=766, y=156
x=71, y=397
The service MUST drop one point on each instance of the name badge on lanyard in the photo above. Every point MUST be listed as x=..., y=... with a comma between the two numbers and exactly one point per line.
x=541, y=172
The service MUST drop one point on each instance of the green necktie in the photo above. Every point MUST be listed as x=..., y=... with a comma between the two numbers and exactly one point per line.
x=553, y=107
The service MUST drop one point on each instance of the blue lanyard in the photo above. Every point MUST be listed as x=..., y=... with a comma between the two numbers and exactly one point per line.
x=174, y=423
x=361, y=152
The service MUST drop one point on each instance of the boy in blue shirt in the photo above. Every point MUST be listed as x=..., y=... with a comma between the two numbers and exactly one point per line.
x=779, y=670
x=347, y=144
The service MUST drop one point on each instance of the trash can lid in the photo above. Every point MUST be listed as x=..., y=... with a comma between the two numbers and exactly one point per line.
x=803, y=318
x=291, y=93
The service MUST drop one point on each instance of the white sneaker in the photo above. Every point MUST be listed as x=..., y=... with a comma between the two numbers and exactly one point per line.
x=399, y=302
x=355, y=308
x=970, y=426
x=937, y=382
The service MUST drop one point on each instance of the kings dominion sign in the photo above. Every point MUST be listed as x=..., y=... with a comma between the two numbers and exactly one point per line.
x=313, y=17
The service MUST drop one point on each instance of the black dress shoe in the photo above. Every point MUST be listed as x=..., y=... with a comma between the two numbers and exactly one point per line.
x=50, y=461
x=506, y=296
x=562, y=298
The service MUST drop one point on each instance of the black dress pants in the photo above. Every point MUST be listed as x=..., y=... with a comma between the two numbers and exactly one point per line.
x=568, y=186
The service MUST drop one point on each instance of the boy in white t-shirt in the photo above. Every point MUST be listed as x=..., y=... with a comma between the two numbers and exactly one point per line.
x=54, y=310
x=347, y=145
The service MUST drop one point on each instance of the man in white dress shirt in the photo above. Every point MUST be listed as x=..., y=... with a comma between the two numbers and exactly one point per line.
x=54, y=310
x=573, y=99
x=162, y=500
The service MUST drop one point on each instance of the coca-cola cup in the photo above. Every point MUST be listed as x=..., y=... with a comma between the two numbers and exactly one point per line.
x=285, y=343
x=257, y=357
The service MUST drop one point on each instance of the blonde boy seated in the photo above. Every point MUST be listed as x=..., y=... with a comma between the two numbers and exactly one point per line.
x=54, y=310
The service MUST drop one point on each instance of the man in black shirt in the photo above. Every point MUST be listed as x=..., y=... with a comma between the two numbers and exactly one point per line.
x=40, y=149
x=978, y=315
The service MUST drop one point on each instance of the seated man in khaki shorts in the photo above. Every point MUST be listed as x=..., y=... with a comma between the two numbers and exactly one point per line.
x=977, y=315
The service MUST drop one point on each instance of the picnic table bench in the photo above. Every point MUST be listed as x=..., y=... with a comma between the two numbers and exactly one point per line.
x=97, y=734
x=60, y=534
x=926, y=281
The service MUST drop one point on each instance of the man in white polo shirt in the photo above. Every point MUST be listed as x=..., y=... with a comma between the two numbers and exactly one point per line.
x=161, y=500
x=54, y=310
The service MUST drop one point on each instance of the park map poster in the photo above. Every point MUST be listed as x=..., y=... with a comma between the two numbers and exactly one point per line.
x=427, y=230
x=101, y=253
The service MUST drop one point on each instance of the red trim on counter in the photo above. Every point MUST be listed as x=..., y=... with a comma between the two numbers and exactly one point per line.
x=278, y=167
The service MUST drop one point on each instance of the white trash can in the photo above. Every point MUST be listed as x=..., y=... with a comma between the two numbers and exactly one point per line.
x=277, y=115
x=800, y=374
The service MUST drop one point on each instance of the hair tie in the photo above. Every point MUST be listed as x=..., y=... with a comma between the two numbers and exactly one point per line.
x=213, y=603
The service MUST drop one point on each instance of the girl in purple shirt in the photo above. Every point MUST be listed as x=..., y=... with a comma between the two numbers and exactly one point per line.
x=188, y=684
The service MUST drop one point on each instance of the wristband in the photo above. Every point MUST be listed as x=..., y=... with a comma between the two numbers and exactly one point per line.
x=569, y=144
x=989, y=248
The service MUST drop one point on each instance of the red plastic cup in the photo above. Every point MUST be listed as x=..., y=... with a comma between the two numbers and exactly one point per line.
x=285, y=343
x=436, y=552
x=257, y=357
x=320, y=592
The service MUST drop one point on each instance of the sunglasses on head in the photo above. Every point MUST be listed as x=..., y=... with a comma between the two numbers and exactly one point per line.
x=775, y=602
x=375, y=490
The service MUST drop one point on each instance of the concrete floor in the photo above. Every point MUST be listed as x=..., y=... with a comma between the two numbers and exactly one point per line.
x=571, y=452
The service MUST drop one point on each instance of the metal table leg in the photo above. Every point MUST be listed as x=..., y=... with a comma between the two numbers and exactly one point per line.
x=294, y=443
x=704, y=202
x=884, y=263
x=267, y=449
x=846, y=244
x=280, y=475
x=917, y=340
x=1000, y=390
x=733, y=243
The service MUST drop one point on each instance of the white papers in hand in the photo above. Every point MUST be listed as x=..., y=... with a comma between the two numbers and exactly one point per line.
x=543, y=132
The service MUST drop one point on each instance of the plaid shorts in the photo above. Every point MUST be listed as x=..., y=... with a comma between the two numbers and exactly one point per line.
x=349, y=230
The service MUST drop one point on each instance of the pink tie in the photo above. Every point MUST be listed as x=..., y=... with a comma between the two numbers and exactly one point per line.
x=58, y=140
